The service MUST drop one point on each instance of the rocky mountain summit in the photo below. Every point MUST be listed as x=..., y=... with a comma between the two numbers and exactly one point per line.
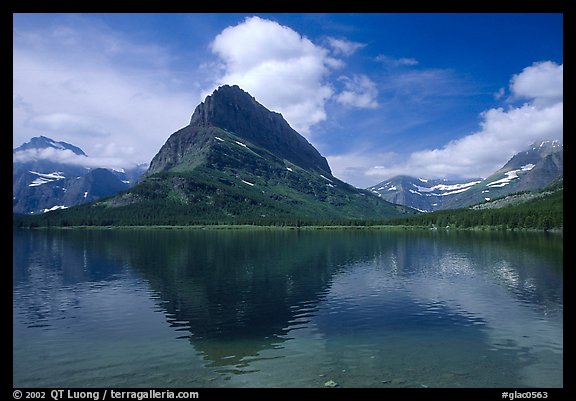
x=532, y=169
x=233, y=110
x=236, y=162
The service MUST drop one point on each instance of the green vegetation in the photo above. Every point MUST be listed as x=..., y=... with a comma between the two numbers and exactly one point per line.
x=247, y=185
x=542, y=213
x=228, y=184
x=189, y=199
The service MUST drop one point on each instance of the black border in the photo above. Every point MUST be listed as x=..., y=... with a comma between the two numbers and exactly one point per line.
x=565, y=7
x=406, y=6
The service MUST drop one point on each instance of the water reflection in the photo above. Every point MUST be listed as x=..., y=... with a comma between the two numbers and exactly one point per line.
x=241, y=297
x=489, y=306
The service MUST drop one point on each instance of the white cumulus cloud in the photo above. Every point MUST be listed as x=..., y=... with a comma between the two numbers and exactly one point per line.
x=543, y=82
x=502, y=133
x=282, y=69
x=287, y=72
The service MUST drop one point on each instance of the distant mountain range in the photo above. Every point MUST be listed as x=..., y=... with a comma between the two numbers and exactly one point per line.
x=530, y=170
x=235, y=162
x=239, y=162
x=49, y=175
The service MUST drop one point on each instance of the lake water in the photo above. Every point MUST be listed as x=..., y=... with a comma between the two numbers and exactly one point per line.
x=242, y=308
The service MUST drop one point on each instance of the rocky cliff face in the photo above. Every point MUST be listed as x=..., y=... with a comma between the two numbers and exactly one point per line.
x=231, y=109
x=542, y=162
x=239, y=162
x=421, y=194
x=530, y=170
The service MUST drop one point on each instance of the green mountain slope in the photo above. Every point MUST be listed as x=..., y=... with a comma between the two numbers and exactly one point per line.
x=540, y=211
x=210, y=172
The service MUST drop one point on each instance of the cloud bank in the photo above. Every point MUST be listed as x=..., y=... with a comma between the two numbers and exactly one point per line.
x=66, y=156
x=80, y=81
x=503, y=132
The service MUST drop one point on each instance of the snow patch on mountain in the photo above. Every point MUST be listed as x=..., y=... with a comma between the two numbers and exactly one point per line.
x=550, y=144
x=527, y=167
x=510, y=175
x=48, y=172
x=46, y=178
x=421, y=193
x=444, y=189
x=55, y=144
x=54, y=208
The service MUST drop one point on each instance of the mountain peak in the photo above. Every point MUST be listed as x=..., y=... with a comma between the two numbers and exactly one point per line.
x=546, y=147
x=223, y=101
x=531, y=170
x=43, y=142
x=231, y=109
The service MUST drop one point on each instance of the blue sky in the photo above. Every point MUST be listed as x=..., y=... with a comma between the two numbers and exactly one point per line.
x=429, y=95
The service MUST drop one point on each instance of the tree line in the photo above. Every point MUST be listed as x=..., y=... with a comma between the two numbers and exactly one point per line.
x=544, y=213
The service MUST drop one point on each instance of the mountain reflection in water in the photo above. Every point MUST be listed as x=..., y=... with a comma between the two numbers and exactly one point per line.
x=242, y=297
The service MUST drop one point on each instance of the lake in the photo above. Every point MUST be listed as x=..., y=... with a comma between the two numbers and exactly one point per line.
x=287, y=308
